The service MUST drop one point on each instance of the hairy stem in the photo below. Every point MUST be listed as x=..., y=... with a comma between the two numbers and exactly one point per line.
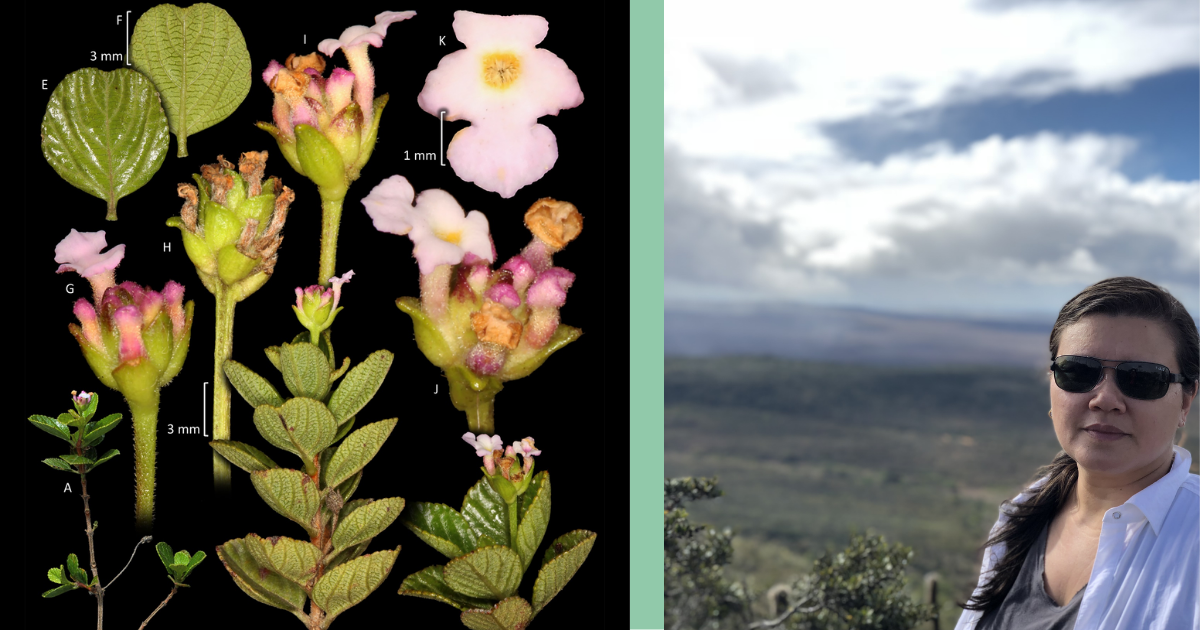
x=145, y=440
x=160, y=606
x=222, y=352
x=331, y=220
x=98, y=590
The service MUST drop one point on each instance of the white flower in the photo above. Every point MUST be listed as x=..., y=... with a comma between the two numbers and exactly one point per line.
x=80, y=252
x=440, y=231
x=525, y=447
x=363, y=35
x=483, y=443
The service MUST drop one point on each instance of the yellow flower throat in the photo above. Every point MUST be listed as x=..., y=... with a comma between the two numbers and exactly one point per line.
x=500, y=70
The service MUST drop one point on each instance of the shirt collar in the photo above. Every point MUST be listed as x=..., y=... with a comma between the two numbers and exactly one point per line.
x=1155, y=500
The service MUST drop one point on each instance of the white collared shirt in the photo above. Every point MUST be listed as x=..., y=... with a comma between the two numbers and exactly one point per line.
x=1145, y=576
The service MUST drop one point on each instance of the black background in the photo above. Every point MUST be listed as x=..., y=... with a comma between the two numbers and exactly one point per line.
x=575, y=405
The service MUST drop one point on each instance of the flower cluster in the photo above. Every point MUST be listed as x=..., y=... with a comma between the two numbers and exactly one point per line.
x=338, y=112
x=502, y=83
x=482, y=326
x=496, y=456
x=316, y=306
x=232, y=222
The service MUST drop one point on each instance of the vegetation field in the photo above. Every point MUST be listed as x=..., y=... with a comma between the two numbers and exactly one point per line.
x=809, y=452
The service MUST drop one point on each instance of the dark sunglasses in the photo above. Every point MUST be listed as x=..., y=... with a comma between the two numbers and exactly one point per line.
x=1136, y=379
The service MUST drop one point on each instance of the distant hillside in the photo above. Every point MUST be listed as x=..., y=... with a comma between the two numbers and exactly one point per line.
x=853, y=336
x=808, y=452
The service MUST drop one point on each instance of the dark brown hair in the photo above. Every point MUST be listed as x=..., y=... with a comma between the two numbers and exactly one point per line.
x=1124, y=296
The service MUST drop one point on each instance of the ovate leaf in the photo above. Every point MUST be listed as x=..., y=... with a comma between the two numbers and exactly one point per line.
x=513, y=613
x=95, y=430
x=59, y=464
x=360, y=385
x=105, y=132
x=197, y=59
x=293, y=559
x=488, y=573
x=486, y=513
x=254, y=388
x=243, y=456
x=350, y=583
x=260, y=582
x=77, y=574
x=535, y=515
x=305, y=370
x=309, y=426
x=356, y=450
x=291, y=493
x=51, y=426
x=109, y=454
x=441, y=527
x=559, y=565
x=366, y=522
x=429, y=584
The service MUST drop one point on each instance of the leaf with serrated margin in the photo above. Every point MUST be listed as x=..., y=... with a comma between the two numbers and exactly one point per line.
x=55, y=574
x=51, y=426
x=428, y=583
x=535, y=516
x=350, y=583
x=242, y=455
x=564, y=557
x=293, y=559
x=357, y=450
x=59, y=464
x=77, y=574
x=254, y=388
x=258, y=582
x=109, y=454
x=366, y=522
x=289, y=492
x=487, y=572
x=441, y=527
x=76, y=460
x=510, y=614
x=305, y=370
x=95, y=430
x=310, y=427
x=105, y=132
x=197, y=59
x=360, y=385
x=486, y=512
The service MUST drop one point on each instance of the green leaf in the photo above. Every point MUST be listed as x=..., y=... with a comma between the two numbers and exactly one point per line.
x=360, y=385
x=350, y=583
x=522, y=363
x=309, y=426
x=291, y=493
x=77, y=574
x=254, y=388
x=293, y=559
x=441, y=527
x=59, y=590
x=71, y=420
x=305, y=370
x=109, y=454
x=486, y=513
x=357, y=450
x=165, y=554
x=535, y=515
x=273, y=356
x=51, y=426
x=59, y=464
x=510, y=614
x=243, y=456
x=76, y=460
x=95, y=430
x=105, y=132
x=259, y=582
x=55, y=574
x=366, y=522
x=561, y=561
x=344, y=429
x=191, y=565
x=270, y=425
x=428, y=583
x=488, y=572
x=197, y=59
x=348, y=554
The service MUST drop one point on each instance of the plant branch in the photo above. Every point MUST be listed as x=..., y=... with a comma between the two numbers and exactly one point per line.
x=222, y=352
x=331, y=220
x=793, y=609
x=160, y=606
x=87, y=515
x=145, y=539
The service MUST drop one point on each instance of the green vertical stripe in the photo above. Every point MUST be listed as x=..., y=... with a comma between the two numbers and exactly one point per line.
x=646, y=314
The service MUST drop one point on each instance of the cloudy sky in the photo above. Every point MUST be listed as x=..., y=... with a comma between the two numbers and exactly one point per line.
x=987, y=157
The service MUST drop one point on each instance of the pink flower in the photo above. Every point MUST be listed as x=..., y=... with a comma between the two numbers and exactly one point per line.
x=441, y=232
x=353, y=43
x=525, y=447
x=80, y=252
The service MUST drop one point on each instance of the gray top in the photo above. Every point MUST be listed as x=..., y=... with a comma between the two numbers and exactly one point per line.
x=1027, y=605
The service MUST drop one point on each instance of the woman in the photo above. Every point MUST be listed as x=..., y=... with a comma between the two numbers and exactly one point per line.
x=1108, y=537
